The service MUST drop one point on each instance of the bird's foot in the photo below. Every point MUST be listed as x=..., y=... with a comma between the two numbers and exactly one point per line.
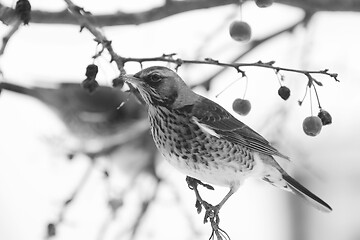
x=211, y=212
x=212, y=215
x=193, y=183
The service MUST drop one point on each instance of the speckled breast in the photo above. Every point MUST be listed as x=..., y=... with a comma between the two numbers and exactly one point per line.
x=195, y=152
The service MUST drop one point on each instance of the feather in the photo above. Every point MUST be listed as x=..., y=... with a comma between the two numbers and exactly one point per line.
x=205, y=128
x=218, y=122
x=305, y=194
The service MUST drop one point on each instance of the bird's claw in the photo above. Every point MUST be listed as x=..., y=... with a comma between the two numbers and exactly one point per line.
x=212, y=215
x=211, y=212
x=193, y=183
x=198, y=206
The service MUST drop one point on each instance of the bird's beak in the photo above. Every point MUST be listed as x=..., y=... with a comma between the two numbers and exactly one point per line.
x=132, y=79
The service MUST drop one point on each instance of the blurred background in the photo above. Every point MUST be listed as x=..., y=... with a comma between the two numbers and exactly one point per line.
x=57, y=182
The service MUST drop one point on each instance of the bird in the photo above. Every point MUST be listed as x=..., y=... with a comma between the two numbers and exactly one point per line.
x=97, y=120
x=203, y=140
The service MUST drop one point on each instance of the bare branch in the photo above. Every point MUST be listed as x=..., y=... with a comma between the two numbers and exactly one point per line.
x=324, y=5
x=236, y=66
x=168, y=9
x=121, y=18
x=52, y=227
x=80, y=14
x=7, y=37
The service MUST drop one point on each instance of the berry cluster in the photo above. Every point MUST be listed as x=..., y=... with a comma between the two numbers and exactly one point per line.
x=240, y=30
x=90, y=83
x=23, y=9
x=312, y=125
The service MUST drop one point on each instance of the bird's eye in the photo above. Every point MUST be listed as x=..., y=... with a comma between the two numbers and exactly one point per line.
x=155, y=77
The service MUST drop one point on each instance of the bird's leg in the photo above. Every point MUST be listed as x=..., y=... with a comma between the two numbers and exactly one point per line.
x=228, y=195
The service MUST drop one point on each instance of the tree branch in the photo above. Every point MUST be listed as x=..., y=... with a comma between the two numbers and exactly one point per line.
x=167, y=10
x=323, y=5
x=120, y=61
x=120, y=18
x=209, y=61
x=81, y=16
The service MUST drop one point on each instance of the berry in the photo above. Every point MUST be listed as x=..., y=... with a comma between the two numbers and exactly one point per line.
x=240, y=31
x=264, y=3
x=284, y=92
x=91, y=71
x=312, y=125
x=70, y=156
x=51, y=230
x=23, y=9
x=118, y=82
x=325, y=117
x=90, y=84
x=115, y=204
x=241, y=106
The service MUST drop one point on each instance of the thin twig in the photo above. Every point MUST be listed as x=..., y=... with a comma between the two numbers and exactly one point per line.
x=145, y=207
x=119, y=18
x=77, y=190
x=167, y=10
x=52, y=227
x=212, y=35
x=317, y=97
x=6, y=38
x=79, y=13
x=84, y=22
x=236, y=66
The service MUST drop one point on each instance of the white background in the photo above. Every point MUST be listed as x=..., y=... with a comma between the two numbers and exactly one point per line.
x=35, y=179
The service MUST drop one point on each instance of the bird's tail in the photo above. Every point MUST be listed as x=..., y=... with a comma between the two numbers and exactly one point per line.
x=17, y=88
x=277, y=176
x=305, y=194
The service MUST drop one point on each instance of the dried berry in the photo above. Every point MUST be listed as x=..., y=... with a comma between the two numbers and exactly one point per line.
x=115, y=203
x=264, y=3
x=240, y=31
x=51, y=230
x=91, y=71
x=325, y=117
x=312, y=125
x=70, y=156
x=284, y=92
x=241, y=106
x=118, y=82
x=90, y=84
x=23, y=10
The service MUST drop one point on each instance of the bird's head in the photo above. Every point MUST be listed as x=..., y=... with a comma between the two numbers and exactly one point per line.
x=161, y=86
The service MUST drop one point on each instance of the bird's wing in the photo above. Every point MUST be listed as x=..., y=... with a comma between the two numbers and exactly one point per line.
x=214, y=119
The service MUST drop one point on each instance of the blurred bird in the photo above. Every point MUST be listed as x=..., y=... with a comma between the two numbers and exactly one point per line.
x=204, y=141
x=107, y=123
x=101, y=121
